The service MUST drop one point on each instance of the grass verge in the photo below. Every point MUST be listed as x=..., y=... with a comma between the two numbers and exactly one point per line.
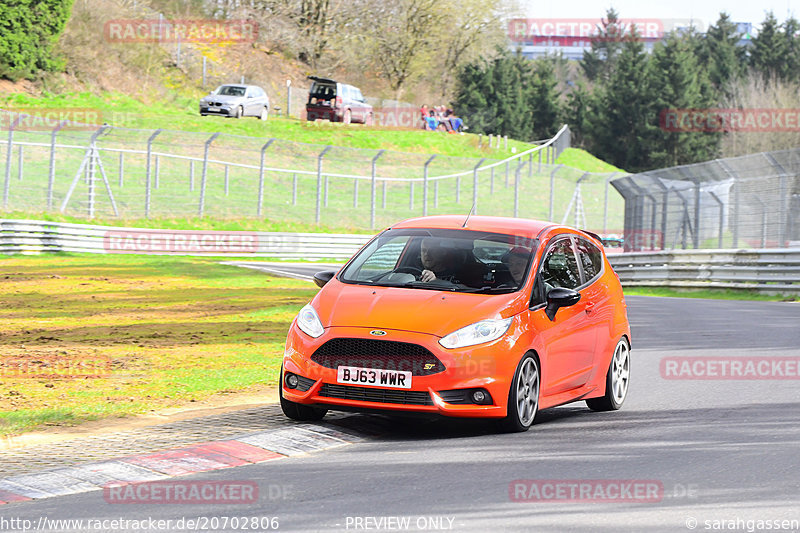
x=163, y=331
x=708, y=294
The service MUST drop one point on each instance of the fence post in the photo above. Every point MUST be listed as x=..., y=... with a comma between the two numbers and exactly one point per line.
x=147, y=175
x=318, y=215
x=411, y=196
x=516, y=188
x=697, y=213
x=121, y=170
x=425, y=185
x=227, y=169
x=505, y=142
x=721, y=216
x=784, y=199
x=204, y=174
x=294, y=189
x=383, y=194
x=474, y=210
x=158, y=172
x=191, y=175
x=204, y=72
x=355, y=192
x=605, y=202
x=507, y=174
x=552, y=191
x=19, y=163
x=372, y=192
x=530, y=164
x=8, y=159
x=52, y=176
x=261, y=176
x=763, y=220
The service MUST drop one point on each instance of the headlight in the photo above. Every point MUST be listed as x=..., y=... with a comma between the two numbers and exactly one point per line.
x=309, y=323
x=477, y=333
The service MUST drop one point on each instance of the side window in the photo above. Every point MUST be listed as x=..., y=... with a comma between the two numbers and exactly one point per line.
x=382, y=260
x=559, y=267
x=591, y=258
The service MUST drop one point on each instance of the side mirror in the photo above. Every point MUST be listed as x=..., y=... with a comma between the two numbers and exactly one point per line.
x=560, y=297
x=321, y=278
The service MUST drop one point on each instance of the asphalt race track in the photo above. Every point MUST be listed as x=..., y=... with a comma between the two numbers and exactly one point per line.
x=682, y=455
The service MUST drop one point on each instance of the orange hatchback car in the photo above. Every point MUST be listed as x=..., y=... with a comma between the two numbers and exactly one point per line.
x=484, y=317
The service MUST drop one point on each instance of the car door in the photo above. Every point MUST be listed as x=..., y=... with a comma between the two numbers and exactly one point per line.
x=595, y=292
x=568, y=341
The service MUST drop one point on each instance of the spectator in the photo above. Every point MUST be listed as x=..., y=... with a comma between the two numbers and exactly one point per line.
x=431, y=121
x=423, y=111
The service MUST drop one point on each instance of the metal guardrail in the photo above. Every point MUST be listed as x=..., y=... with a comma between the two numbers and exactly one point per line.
x=36, y=236
x=765, y=270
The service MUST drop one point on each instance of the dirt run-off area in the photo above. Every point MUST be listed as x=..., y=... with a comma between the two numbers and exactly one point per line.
x=88, y=337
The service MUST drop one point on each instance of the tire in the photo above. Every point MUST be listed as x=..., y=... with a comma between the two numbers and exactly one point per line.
x=297, y=411
x=617, y=380
x=264, y=113
x=239, y=112
x=368, y=120
x=523, y=397
x=347, y=117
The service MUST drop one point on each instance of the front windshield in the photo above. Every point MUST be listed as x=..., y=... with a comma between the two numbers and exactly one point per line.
x=447, y=260
x=231, y=90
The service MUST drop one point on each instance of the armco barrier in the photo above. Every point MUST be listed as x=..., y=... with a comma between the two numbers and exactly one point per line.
x=35, y=236
x=765, y=270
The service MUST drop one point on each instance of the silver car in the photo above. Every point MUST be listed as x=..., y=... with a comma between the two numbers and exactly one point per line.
x=236, y=101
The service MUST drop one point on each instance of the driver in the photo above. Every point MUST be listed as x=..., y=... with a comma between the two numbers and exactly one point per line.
x=448, y=264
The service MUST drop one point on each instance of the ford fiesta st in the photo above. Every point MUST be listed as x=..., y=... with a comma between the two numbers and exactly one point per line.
x=484, y=317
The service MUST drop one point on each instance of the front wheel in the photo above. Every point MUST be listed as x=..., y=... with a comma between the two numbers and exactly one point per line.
x=264, y=114
x=617, y=380
x=239, y=112
x=523, y=397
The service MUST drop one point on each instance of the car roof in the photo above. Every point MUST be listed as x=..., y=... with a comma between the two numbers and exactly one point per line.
x=516, y=226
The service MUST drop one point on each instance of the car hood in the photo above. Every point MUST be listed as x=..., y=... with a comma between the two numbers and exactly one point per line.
x=418, y=310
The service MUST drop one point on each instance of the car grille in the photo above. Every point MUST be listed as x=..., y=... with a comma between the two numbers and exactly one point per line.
x=365, y=394
x=454, y=396
x=380, y=354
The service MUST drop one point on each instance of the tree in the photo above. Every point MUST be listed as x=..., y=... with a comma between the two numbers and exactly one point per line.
x=679, y=84
x=768, y=53
x=791, y=37
x=721, y=56
x=606, y=47
x=621, y=120
x=29, y=29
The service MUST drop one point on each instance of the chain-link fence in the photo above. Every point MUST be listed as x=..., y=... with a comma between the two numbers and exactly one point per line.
x=128, y=173
x=751, y=201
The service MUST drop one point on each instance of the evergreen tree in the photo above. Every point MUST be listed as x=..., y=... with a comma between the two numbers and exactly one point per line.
x=791, y=36
x=721, y=56
x=28, y=31
x=621, y=120
x=606, y=46
x=543, y=99
x=768, y=54
x=679, y=84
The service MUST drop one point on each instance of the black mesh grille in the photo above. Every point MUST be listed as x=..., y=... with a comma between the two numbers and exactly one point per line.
x=454, y=396
x=303, y=384
x=365, y=394
x=373, y=353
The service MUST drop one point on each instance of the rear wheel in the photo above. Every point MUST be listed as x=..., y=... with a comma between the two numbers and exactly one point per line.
x=523, y=397
x=617, y=380
x=347, y=117
x=368, y=120
x=298, y=411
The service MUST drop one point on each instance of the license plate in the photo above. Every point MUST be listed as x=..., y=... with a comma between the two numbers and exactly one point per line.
x=394, y=379
x=214, y=109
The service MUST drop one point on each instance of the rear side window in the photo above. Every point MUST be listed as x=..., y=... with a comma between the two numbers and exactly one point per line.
x=560, y=268
x=322, y=90
x=591, y=259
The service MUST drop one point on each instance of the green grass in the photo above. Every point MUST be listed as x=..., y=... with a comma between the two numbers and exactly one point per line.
x=170, y=330
x=583, y=160
x=709, y=294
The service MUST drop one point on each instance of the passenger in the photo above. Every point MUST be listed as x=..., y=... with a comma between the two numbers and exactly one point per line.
x=516, y=260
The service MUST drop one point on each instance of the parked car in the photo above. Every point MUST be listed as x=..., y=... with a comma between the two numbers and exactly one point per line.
x=493, y=317
x=236, y=101
x=337, y=102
